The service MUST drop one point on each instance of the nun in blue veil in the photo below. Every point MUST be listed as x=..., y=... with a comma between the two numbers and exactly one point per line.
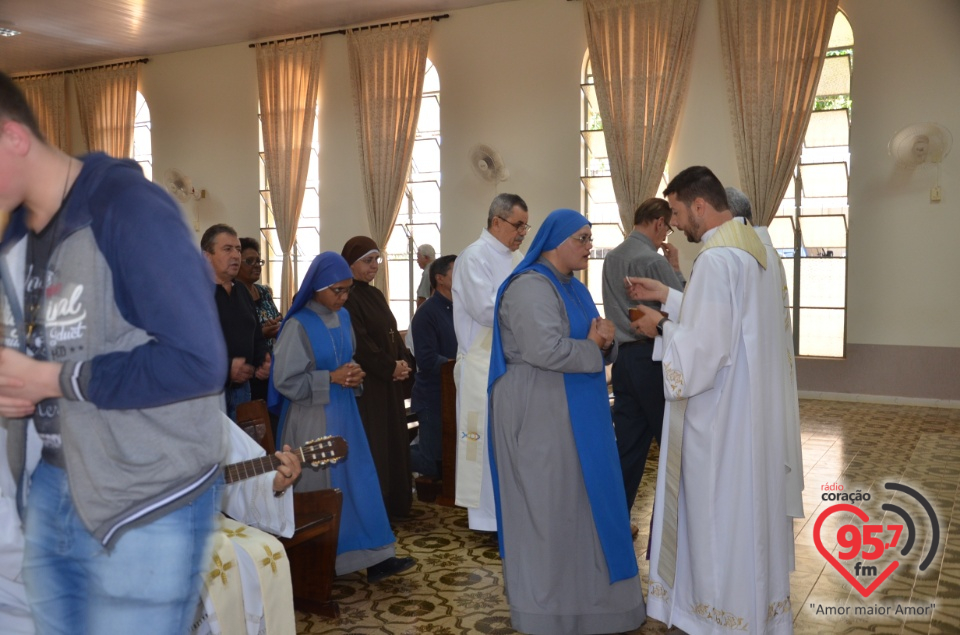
x=568, y=559
x=313, y=384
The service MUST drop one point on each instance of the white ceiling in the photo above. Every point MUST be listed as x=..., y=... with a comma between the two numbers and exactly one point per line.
x=60, y=34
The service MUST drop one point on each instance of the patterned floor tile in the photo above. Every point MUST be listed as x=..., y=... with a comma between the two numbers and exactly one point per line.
x=457, y=587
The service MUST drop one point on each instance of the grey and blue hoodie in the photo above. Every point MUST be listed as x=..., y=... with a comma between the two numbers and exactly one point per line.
x=129, y=313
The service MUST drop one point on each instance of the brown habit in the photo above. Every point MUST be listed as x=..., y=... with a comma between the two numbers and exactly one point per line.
x=379, y=346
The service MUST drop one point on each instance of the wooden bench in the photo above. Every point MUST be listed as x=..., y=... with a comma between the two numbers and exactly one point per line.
x=312, y=550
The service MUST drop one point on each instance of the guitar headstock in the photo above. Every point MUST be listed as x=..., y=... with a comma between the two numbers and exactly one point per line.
x=323, y=451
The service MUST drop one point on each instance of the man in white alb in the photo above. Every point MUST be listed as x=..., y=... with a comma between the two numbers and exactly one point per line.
x=481, y=269
x=722, y=537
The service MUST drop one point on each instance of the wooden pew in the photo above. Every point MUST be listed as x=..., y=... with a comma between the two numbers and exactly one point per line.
x=312, y=550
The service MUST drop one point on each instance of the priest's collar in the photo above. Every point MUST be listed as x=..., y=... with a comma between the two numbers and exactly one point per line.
x=736, y=235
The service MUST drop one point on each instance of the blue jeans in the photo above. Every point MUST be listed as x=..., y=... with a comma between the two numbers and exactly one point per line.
x=235, y=395
x=148, y=582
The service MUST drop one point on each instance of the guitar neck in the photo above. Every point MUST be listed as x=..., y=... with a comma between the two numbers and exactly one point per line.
x=247, y=469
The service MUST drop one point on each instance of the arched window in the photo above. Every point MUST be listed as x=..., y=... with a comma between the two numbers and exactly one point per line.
x=418, y=222
x=142, y=146
x=307, y=244
x=810, y=228
x=599, y=203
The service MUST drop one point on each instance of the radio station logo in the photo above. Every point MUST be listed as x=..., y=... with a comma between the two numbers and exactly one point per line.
x=861, y=546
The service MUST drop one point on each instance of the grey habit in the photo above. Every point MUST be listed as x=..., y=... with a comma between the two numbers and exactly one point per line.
x=555, y=573
x=296, y=377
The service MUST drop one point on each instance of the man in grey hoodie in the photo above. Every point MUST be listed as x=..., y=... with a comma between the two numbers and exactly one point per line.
x=112, y=353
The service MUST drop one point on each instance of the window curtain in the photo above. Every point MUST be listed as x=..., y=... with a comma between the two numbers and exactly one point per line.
x=108, y=107
x=387, y=66
x=773, y=52
x=640, y=52
x=46, y=95
x=288, y=75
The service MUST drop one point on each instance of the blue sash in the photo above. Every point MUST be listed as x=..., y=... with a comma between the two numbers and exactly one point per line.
x=363, y=519
x=592, y=432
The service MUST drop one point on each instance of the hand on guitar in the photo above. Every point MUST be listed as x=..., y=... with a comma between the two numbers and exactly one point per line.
x=288, y=471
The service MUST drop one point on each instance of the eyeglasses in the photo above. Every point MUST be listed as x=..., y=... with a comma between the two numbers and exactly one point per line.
x=369, y=260
x=254, y=262
x=583, y=239
x=667, y=226
x=339, y=291
x=520, y=226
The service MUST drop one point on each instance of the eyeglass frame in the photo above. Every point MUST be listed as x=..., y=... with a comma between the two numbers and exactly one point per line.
x=254, y=262
x=519, y=226
x=583, y=239
x=666, y=224
x=369, y=260
x=339, y=291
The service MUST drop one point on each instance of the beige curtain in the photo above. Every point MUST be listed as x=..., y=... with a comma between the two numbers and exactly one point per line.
x=640, y=52
x=108, y=107
x=773, y=53
x=288, y=74
x=387, y=66
x=46, y=95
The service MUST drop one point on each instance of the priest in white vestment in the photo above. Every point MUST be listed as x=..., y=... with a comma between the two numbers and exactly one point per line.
x=722, y=542
x=481, y=269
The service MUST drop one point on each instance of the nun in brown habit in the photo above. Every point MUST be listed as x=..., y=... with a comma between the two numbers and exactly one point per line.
x=387, y=361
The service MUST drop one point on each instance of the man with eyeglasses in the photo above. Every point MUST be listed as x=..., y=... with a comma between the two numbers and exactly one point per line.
x=246, y=346
x=481, y=269
x=638, y=380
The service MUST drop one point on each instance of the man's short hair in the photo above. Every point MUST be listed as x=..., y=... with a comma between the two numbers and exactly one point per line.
x=14, y=106
x=250, y=243
x=652, y=209
x=698, y=181
x=440, y=267
x=210, y=236
x=502, y=205
x=739, y=204
x=427, y=251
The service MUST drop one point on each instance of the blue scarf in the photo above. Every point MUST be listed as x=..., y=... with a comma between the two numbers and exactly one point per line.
x=587, y=402
x=326, y=269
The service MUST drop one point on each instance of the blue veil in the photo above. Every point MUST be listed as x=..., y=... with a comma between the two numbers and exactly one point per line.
x=326, y=269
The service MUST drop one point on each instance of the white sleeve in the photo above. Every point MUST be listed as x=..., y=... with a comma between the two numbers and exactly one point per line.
x=251, y=501
x=700, y=344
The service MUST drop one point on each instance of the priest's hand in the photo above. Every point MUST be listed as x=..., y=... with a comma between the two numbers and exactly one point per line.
x=349, y=375
x=646, y=289
x=647, y=325
x=288, y=471
x=402, y=371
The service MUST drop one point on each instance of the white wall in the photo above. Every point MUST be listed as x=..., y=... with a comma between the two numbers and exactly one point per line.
x=203, y=108
x=903, y=248
x=509, y=76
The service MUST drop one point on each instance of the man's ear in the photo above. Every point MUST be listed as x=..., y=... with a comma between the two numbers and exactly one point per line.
x=15, y=137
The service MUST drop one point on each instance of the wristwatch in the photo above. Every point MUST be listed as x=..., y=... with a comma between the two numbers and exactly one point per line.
x=660, y=325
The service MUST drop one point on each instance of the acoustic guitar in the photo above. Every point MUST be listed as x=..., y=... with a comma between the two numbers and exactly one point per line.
x=322, y=451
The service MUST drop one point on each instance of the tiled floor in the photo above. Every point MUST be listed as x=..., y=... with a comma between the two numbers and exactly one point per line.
x=456, y=587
